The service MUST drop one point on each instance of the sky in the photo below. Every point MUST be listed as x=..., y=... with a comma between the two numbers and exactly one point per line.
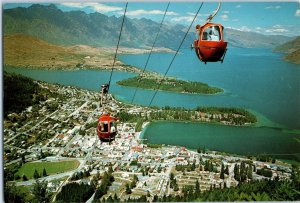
x=270, y=18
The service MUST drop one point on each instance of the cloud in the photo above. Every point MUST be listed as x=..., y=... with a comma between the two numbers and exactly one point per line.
x=190, y=13
x=182, y=18
x=297, y=14
x=224, y=17
x=273, y=7
x=151, y=12
x=243, y=28
x=226, y=12
x=95, y=6
x=235, y=20
x=238, y=6
x=277, y=29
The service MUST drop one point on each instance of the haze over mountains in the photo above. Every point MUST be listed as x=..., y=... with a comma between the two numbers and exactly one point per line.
x=77, y=27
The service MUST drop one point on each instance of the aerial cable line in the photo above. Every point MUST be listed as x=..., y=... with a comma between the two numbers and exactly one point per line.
x=150, y=52
x=112, y=69
x=174, y=56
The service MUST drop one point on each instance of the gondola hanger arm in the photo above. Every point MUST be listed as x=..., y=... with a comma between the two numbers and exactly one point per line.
x=211, y=16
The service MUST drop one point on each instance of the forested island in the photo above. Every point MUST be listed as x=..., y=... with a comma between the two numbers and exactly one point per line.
x=169, y=84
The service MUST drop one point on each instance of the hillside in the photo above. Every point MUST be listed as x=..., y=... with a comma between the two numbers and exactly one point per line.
x=21, y=92
x=76, y=27
x=292, y=48
x=289, y=46
x=25, y=51
x=252, y=39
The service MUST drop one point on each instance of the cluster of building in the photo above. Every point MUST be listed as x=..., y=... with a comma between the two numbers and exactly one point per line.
x=70, y=132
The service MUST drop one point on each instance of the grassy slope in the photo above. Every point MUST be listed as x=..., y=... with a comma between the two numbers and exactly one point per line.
x=25, y=51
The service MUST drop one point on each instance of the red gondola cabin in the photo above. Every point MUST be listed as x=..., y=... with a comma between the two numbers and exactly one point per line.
x=107, y=127
x=210, y=45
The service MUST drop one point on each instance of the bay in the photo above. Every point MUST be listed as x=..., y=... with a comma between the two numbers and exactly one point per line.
x=247, y=141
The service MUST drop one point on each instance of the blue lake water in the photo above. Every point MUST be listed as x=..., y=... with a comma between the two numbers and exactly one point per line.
x=237, y=140
x=255, y=79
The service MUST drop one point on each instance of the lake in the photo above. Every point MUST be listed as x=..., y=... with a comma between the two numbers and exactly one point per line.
x=255, y=79
x=230, y=139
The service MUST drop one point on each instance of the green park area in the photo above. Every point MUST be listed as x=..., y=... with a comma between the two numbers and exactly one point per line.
x=28, y=169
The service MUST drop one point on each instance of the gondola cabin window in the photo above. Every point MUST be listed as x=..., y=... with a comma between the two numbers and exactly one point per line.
x=103, y=127
x=212, y=33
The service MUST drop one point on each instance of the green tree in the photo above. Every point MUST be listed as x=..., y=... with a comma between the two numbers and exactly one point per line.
x=197, y=188
x=24, y=178
x=40, y=191
x=36, y=174
x=222, y=172
x=127, y=189
x=44, y=172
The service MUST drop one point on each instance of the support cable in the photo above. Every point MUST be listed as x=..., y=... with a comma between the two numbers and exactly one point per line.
x=112, y=69
x=174, y=56
x=150, y=52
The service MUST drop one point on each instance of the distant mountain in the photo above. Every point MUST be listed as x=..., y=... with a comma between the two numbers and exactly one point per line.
x=76, y=27
x=253, y=39
x=289, y=46
x=292, y=48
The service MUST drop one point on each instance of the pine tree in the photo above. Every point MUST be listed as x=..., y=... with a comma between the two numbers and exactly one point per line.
x=44, y=172
x=197, y=188
x=24, y=178
x=36, y=174
x=222, y=172
x=249, y=172
x=227, y=170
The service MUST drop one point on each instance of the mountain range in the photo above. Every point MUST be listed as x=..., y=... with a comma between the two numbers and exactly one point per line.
x=95, y=29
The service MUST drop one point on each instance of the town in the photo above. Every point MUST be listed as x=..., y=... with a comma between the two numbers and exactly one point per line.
x=63, y=129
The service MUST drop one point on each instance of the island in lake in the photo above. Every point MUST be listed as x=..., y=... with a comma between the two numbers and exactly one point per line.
x=169, y=84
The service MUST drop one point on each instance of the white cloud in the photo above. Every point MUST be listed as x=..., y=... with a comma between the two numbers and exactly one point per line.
x=258, y=28
x=226, y=12
x=273, y=7
x=95, y=6
x=182, y=18
x=278, y=30
x=238, y=6
x=190, y=13
x=297, y=13
x=243, y=28
x=224, y=17
x=151, y=12
x=235, y=20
